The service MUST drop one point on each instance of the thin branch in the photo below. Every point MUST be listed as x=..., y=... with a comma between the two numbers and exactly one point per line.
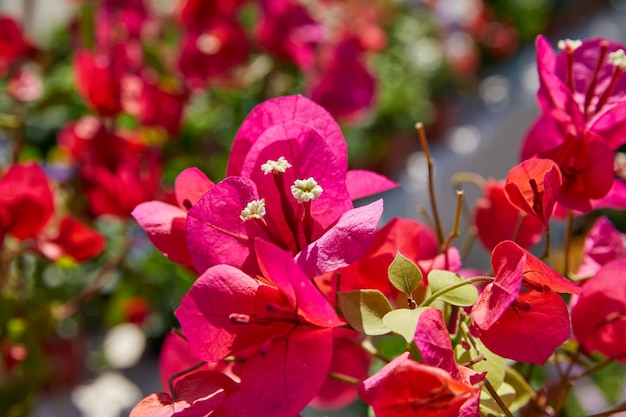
x=431, y=181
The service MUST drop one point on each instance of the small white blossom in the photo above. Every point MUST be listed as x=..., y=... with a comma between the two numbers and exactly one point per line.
x=306, y=190
x=274, y=167
x=254, y=210
x=569, y=44
x=618, y=58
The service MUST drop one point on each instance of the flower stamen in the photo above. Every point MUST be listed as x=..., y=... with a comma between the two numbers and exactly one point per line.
x=275, y=167
x=306, y=190
x=254, y=210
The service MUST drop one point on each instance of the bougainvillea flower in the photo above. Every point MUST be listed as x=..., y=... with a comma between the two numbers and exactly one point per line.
x=297, y=108
x=289, y=189
x=520, y=316
x=404, y=388
x=88, y=142
x=26, y=200
x=119, y=22
x=349, y=358
x=603, y=243
x=211, y=53
x=13, y=43
x=288, y=31
x=72, y=238
x=98, y=80
x=583, y=118
x=152, y=104
x=533, y=187
x=281, y=326
x=198, y=394
x=165, y=224
x=345, y=86
x=599, y=315
x=497, y=219
x=409, y=237
x=196, y=14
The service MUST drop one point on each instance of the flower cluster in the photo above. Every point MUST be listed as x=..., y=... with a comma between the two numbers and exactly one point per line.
x=297, y=296
x=297, y=289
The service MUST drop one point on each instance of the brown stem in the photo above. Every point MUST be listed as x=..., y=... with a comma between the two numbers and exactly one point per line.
x=431, y=181
x=497, y=398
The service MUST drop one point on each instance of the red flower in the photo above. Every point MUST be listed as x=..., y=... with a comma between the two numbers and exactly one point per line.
x=405, y=388
x=72, y=238
x=98, y=80
x=345, y=87
x=520, y=316
x=497, y=219
x=211, y=52
x=533, y=187
x=13, y=43
x=26, y=200
x=599, y=316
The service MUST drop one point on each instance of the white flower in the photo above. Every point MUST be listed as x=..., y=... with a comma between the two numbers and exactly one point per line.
x=618, y=58
x=569, y=45
x=275, y=167
x=254, y=210
x=306, y=190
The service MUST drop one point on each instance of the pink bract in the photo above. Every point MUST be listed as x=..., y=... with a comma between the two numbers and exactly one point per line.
x=165, y=224
x=282, y=325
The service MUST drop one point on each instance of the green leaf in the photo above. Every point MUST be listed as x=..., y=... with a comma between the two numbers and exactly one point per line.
x=454, y=288
x=403, y=321
x=523, y=391
x=404, y=274
x=491, y=363
x=364, y=310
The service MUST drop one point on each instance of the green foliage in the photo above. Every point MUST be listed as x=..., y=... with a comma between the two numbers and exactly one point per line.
x=364, y=310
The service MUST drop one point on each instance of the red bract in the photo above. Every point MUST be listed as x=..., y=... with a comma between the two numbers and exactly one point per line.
x=196, y=395
x=26, y=200
x=152, y=104
x=119, y=21
x=497, y=219
x=118, y=191
x=583, y=116
x=288, y=31
x=599, y=316
x=409, y=237
x=603, y=244
x=345, y=87
x=13, y=43
x=98, y=80
x=533, y=187
x=404, y=388
x=73, y=238
x=165, y=224
x=281, y=326
x=212, y=52
x=519, y=316
x=195, y=14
